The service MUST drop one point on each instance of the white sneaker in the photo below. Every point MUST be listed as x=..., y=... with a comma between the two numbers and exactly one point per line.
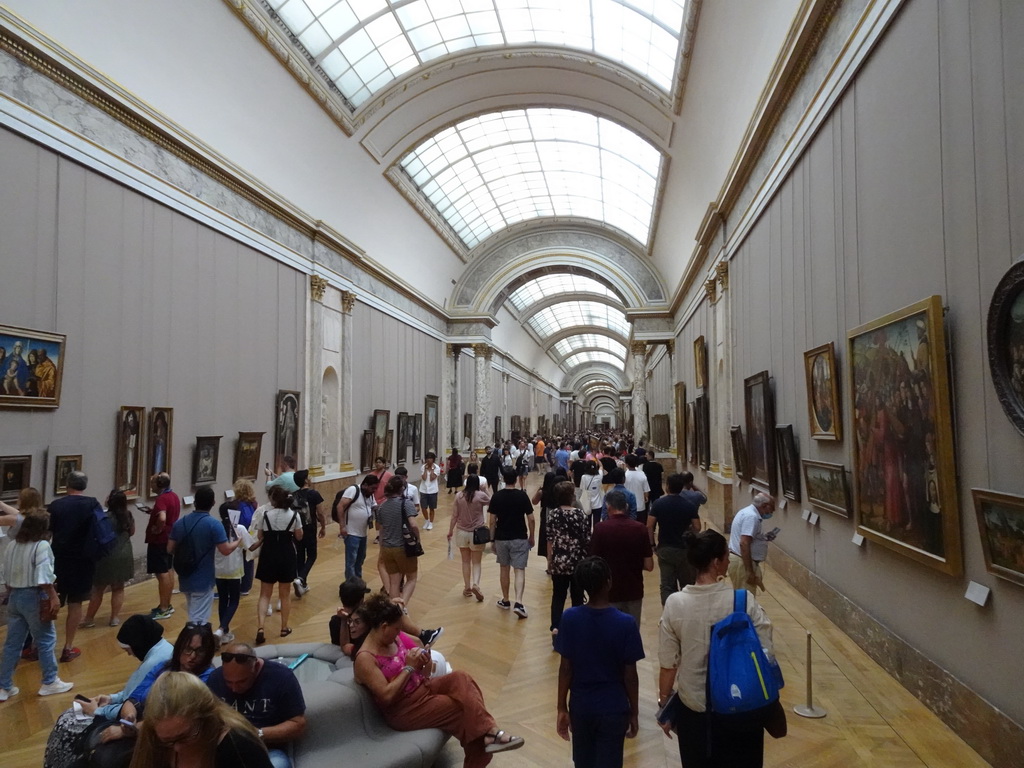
x=270, y=610
x=429, y=526
x=228, y=637
x=278, y=605
x=297, y=585
x=218, y=633
x=57, y=686
x=6, y=693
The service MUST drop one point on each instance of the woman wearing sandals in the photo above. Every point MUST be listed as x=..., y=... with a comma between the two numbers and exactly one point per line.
x=467, y=516
x=278, y=529
x=409, y=700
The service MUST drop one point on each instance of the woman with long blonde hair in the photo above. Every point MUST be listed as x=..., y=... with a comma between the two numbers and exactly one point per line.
x=186, y=726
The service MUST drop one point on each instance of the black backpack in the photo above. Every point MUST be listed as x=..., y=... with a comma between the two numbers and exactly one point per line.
x=185, y=558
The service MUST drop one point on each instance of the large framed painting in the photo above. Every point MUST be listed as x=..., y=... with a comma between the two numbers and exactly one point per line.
x=824, y=409
x=904, y=478
x=827, y=487
x=286, y=428
x=247, y=455
x=63, y=465
x=739, y=452
x=1001, y=524
x=205, y=460
x=759, y=407
x=158, y=448
x=417, y=436
x=700, y=362
x=789, y=461
x=430, y=426
x=31, y=367
x=497, y=430
x=679, y=440
x=691, y=433
x=1006, y=343
x=366, y=456
x=128, y=449
x=379, y=425
x=703, y=413
x=404, y=435
x=15, y=474
x=389, y=447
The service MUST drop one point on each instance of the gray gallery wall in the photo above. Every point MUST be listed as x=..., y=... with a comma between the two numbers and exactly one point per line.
x=158, y=311
x=914, y=186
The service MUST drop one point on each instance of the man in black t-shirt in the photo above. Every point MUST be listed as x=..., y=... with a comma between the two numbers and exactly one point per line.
x=511, y=514
x=305, y=549
x=654, y=472
x=672, y=515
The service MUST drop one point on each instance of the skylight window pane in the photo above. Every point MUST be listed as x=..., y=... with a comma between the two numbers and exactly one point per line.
x=640, y=34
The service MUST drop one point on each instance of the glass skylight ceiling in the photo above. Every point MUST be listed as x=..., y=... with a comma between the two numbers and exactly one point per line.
x=497, y=169
x=549, y=285
x=584, y=340
x=570, y=313
x=362, y=45
x=591, y=357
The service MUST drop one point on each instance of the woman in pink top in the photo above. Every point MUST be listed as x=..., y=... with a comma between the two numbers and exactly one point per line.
x=391, y=666
x=467, y=517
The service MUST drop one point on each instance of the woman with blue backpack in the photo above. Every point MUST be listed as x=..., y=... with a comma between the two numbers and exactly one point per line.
x=701, y=636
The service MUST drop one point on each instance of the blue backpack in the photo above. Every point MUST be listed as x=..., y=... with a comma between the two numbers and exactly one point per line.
x=102, y=536
x=740, y=676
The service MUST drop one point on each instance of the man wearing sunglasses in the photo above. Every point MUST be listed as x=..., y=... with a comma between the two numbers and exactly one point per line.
x=266, y=693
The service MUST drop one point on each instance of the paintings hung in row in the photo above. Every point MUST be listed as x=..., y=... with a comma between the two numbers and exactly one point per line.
x=904, y=477
x=31, y=367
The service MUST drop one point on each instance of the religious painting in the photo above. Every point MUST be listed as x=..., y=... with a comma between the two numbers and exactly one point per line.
x=430, y=428
x=824, y=411
x=1001, y=524
x=904, y=477
x=63, y=466
x=366, y=451
x=661, y=431
x=15, y=474
x=691, y=433
x=703, y=413
x=158, y=449
x=404, y=435
x=247, y=455
x=517, y=428
x=205, y=460
x=286, y=428
x=417, y=437
x=827, y=487
x=789, y=461
x=679, y=438
x=739, y=451
x=128, y=449
x=497, y=430
x=379, y=425
x=1006, y=343
x=389, y=447
x=700, y=362
x=759, y=406
x=31, y=367
x=467, y=429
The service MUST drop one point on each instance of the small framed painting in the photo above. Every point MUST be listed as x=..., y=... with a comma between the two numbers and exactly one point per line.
x=739, y=451
x=389, y=447
x=417, y=436
x=366, y=456
x=759, y=406
x=380, y=422
x=430, y=424
x=700, y=362
x=158, y=451
x=824, y=410
x=247, y=455
x=64, y=465
x=1001, y=524
x=286, y=427
x=205, y=460
x=789, y=461
x=128, y=449
x=15, y=474
x=31, y=367
x=827, y=487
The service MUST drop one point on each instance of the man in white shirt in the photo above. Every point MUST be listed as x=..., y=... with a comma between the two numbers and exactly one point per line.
x=637, y=482
x=353, y=509
x=748, y=545
x=430, y=473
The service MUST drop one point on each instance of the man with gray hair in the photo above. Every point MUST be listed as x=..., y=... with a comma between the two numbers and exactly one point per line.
x=71, y=523
x=748, y=545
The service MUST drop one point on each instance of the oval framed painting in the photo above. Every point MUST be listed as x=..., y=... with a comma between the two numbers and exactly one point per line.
x=1006, y=343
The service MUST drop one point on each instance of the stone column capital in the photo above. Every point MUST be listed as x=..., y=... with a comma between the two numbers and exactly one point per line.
x=453, y=350
x=483, y=350
x=670, y=346
x=317, y=286
x=722, y=273
x=638, y=347
x=711, y=289
x=348, y=301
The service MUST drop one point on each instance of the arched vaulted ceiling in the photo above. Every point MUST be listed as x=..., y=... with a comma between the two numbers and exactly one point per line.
x=533, y=135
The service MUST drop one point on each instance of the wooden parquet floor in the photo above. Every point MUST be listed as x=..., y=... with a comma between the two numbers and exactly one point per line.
x=872, y=720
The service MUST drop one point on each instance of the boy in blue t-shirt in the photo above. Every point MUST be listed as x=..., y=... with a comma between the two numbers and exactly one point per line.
x=600, y=647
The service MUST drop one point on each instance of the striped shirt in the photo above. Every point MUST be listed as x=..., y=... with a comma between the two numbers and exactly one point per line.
x=29, y=564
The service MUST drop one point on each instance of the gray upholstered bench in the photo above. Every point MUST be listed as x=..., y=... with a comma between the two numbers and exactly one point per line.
x=342, y=721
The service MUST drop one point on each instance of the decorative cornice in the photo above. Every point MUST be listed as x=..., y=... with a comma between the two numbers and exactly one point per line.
x=348, y=302
x=317, y=286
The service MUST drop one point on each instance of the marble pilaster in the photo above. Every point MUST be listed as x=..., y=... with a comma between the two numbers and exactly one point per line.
x=348, y=439
x=452, y=428
x=481, y=427
x=639, y=351
x=314, y=377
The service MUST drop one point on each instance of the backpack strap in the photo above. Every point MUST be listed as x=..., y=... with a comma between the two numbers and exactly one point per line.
x=739, y=601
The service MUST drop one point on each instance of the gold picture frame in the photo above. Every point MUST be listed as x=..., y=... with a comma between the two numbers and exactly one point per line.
x=1001, y=525
x=824, y=408
x=904, y=471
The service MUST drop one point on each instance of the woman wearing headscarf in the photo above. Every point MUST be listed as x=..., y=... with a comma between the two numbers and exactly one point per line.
x=139, y=636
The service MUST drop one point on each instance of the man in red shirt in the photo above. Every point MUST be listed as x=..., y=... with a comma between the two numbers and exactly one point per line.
x=626, y=545
x=165, y=512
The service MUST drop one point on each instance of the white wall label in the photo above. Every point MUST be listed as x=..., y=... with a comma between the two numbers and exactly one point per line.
x=977, y=593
